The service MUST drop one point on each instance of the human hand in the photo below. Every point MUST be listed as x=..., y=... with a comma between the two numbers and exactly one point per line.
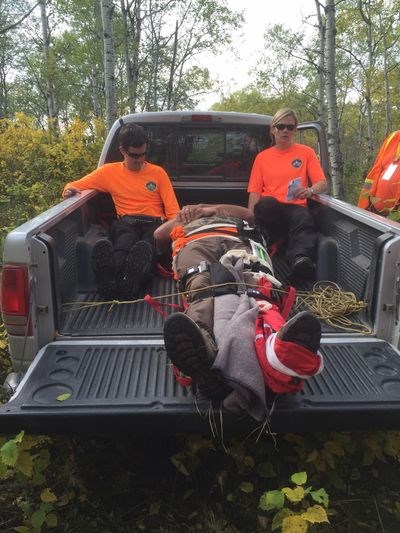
x=304, y=192
x=71, y=191
x=191, y=212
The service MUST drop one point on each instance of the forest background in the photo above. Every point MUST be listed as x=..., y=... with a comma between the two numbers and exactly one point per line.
x=68, y=69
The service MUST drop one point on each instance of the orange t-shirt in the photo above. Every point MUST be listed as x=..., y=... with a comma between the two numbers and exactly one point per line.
x=135, y=192
x=274, y=169
x=381, y=189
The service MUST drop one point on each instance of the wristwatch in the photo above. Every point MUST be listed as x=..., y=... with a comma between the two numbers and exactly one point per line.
x=312, y=190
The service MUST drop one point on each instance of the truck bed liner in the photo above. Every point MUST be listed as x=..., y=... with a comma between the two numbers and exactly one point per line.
x=140, y=318
x=92, y=386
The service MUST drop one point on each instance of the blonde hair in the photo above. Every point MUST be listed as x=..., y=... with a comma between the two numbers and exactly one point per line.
x=282, y=113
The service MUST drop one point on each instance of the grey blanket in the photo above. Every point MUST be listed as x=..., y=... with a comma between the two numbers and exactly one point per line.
x=236, y=361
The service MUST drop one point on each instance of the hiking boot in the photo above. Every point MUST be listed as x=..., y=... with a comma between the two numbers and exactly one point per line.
x=303, y=268
x=103, y=265
x=192, y=355
x=139, y=265
x=303, y=329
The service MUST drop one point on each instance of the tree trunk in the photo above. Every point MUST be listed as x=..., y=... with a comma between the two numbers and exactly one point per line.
x=321, y=63
x=335, y=156
x=107, y=8
x=367, y=20
x=48, y=62
x=172, y=68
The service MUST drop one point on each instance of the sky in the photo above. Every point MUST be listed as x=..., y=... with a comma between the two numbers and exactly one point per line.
x=233, y=71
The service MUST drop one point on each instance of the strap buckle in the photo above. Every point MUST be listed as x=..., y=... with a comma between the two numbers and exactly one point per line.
x=201, y=267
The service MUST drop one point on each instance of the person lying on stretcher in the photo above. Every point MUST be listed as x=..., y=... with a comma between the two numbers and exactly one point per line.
x=232, y=339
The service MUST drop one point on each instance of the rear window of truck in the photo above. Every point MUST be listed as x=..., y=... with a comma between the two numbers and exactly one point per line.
x=202, y=151
x=199, y=151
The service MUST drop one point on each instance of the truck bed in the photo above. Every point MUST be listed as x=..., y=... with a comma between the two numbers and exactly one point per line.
x=106, y=368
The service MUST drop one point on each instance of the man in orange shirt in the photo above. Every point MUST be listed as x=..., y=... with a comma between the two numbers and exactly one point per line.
x=144, y=198
x=282, y=178
x=381, y=190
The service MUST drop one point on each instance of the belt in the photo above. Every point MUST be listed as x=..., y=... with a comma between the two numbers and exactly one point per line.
x=139, y=219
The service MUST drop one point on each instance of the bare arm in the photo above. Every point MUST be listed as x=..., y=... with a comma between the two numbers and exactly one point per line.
x=318, y=188
x=253, y=199
x=191, y=212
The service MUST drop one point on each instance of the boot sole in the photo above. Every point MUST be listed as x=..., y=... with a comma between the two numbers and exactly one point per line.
x=187, y=350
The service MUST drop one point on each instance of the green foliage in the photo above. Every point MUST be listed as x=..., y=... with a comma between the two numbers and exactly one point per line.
x=32, y=498
x=35, y=164
x=301, y=512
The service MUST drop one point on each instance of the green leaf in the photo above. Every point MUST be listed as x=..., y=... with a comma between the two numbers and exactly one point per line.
x=3, y=470
x=299, y=478
x=294, y=495
x=315, y=515
x=320, y=496
x=273, y=499
x=9, y=453
x=25, y=463
x=18, y=438
x=52, y=520
x=38, y=518
x=246, y=487
x=63, y=397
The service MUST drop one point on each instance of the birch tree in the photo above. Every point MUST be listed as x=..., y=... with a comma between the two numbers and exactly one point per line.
x=335, y=156
x=49, y=67
x=107, y=9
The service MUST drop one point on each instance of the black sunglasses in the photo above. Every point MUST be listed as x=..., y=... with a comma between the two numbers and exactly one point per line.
x=135, y=156
x=281, y=127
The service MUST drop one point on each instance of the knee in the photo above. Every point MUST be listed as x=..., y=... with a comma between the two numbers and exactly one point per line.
x=268, y=208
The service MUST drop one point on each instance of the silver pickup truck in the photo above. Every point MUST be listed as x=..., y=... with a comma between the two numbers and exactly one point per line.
x=80, y=365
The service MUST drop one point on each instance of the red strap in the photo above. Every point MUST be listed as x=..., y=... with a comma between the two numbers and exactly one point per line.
x=164, y=272
x=184, y=381
x=156, y=305
x=274, y=248
x=288, y=301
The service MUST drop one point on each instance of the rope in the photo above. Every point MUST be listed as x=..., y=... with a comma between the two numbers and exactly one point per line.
x=327, y=301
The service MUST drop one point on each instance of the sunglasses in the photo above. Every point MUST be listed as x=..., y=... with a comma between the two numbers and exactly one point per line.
x=133, y=155
x=281, y=127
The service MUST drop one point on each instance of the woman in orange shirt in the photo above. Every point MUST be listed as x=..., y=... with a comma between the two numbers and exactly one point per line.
x=282, y=178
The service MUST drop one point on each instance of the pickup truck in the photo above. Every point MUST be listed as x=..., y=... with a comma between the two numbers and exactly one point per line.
x=83, y=366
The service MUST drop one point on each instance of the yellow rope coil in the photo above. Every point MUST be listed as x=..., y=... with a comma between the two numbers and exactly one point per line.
x=329, y=303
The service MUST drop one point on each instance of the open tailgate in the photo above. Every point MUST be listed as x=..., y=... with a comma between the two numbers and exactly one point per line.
x=128, y=386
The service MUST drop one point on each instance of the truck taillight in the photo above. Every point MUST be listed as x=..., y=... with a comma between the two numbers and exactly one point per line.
x=14, y=292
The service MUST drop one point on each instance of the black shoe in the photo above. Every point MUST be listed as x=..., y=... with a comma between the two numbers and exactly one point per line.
x=303, y=268
x=139, y=266
x=303, y=329
x=103, y=265
x=188, y=351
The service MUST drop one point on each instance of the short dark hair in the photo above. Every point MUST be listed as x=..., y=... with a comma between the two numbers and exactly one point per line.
x=132, y=135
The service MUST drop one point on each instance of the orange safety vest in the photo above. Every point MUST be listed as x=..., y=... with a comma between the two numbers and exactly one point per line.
x=381, y=190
